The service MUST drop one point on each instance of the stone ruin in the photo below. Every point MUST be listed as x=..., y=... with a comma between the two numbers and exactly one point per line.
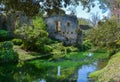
x=8, y=22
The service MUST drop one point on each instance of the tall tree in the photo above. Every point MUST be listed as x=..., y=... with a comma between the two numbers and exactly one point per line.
x=30, y=7
x=33, y=7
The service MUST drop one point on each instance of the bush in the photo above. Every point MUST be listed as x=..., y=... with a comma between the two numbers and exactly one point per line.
x=6, y=45
x=47, y=48
x=17, y=41
x=71, y=49
x=33, y=38
x=86, y=45
x=3, y=35
x=106, y=35
x=7, y=54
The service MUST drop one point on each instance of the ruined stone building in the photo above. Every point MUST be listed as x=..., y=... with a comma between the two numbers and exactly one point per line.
x=8, y=22
x=63, y=28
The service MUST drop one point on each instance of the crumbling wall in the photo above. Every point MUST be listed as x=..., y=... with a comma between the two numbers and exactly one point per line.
x=67, y=28
x=8, y=22
x=3, y=22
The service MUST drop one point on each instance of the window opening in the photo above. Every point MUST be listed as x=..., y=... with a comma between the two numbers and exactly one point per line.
x=58, y=26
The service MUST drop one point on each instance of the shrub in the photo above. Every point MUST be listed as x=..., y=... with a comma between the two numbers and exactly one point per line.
x=3, y=35
x=33, y=38
x=7, y=54
x=47, y=48
x=17, y=41
x=58, y=50
x=86, y=45
x=71, y=49
x=6, y=45
x=106, y=35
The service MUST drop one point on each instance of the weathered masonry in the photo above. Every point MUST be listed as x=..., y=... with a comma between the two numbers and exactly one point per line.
x=63, y=28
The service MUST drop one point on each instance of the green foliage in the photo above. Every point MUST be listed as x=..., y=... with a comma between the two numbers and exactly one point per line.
x=7, y=54
x=106, y=35
x=86, y=45
x=110, y=73
x=47, y=48
x=6, y=45
x=33, y=37
x=39, y=23
x=17, y=41
x=71, y=49
x=98, y=50
x=58, y=50
x=3, y=35
x=32, y=7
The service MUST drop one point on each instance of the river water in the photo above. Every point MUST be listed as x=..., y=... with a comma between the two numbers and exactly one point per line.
x=49, y=71
x=84, y=71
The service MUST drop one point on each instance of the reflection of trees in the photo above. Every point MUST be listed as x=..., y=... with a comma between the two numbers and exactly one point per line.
x=29, y=72
x=6, y=72
x=26, y=73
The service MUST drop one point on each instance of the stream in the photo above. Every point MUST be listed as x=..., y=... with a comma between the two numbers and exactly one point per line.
x=51, y=71
x=82, y=74
x=84, y=71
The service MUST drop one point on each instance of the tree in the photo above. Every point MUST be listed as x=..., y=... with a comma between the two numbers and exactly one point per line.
x=107, y=35
x=33, y=7
x=31, y=35
x=29, y=7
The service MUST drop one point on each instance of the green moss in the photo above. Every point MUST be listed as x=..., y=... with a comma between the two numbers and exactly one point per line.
x=110, y=73
x=95, y=74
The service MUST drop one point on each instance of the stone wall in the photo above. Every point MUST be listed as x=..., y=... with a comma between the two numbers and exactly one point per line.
x=8, y=22
x=3, y=22
x=63, y=28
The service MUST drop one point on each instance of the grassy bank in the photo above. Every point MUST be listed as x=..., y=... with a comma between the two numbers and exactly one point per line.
x=110, y=73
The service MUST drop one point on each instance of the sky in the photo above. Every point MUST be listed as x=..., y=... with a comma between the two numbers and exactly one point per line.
x=80, y=13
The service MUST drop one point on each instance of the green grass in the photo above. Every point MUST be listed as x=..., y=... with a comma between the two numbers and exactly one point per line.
x=110, y=73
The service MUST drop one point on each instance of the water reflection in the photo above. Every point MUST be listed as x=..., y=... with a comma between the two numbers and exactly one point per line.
x=42, y=80
x=90, y=54
x=35, y=70
x=58, y=74
x=84, y=71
